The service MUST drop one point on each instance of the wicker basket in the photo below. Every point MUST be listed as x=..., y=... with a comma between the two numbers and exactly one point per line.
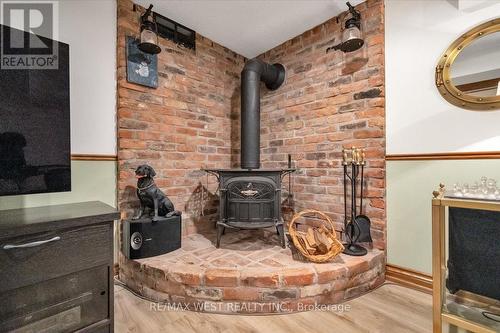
x=336, y=248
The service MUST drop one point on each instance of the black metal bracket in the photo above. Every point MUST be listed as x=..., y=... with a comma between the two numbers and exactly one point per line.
x=334, y=48
x=213, y=173
x=355, y=20
x=144, y=16
x=285, y=172
x=216, y=174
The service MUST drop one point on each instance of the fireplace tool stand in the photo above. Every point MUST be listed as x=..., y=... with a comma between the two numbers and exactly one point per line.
x=356, y=227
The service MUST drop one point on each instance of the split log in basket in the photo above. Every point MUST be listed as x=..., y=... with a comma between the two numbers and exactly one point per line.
x=318, y=244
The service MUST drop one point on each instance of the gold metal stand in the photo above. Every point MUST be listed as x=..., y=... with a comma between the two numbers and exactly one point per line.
x=439, y=312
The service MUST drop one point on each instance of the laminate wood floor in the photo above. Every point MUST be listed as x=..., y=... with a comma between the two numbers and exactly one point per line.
x=390, y=308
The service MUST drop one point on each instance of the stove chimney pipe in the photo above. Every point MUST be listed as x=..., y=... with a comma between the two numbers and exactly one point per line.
x=255, y=70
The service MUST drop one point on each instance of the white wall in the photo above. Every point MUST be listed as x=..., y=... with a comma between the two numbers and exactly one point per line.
x=89, y=27
x=419, y=120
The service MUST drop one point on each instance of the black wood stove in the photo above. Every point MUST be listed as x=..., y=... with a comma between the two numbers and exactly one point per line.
x=250, y=197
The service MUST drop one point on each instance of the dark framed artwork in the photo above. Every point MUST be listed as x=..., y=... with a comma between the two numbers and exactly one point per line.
x=142, y=68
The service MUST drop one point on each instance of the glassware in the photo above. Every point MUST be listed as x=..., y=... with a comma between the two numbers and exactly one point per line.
x=485, y=188
x=491, y=185
x=457, y=190
x=474, y=189
x=465, y=190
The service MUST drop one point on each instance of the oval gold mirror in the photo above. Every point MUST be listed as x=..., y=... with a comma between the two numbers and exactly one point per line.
x=468, y=73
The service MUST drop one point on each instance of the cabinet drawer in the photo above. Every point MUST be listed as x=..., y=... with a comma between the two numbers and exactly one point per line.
x=105, y=329
x=31, y=259
x=64, y=304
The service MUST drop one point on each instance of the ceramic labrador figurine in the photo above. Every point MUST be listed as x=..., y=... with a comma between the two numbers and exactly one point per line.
x=151, y=196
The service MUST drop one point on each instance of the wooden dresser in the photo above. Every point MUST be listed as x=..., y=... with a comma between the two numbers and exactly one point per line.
x=56, y=268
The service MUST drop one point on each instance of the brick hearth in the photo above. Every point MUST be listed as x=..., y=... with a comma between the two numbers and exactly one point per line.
x=250, y=273
x=192, y=121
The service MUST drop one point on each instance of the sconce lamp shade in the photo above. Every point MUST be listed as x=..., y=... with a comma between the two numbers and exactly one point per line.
x=352, y=39
x=149, y=34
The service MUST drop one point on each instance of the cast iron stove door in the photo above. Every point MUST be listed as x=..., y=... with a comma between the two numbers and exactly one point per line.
x=250, y=202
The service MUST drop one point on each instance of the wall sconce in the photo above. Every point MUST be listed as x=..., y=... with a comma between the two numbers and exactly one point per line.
x=149, y=33
x=351, y=37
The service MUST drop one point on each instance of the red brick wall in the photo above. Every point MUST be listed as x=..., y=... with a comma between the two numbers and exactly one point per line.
x=180, y=127
x=330, y=101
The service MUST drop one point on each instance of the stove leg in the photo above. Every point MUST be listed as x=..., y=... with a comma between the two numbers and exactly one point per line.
x=281, y=233
x=220, y=232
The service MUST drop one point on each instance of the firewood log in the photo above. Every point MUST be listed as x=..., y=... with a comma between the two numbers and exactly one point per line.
x=322, y=241
x=328, y=239
x=310, y=237
x=301, y=236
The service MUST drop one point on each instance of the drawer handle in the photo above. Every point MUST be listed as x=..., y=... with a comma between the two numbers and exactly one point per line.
x=32, y=244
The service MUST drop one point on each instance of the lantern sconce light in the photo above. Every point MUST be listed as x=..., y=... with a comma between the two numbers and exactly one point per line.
x=351, y=37
x=149, y=33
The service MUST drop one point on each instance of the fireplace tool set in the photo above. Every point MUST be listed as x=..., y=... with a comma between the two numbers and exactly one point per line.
x=356, y=226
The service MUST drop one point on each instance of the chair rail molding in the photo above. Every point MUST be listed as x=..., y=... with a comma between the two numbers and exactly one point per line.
x=479, y=155
x=93, y=157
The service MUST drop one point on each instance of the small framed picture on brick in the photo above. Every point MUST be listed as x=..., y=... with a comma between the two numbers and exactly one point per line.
x=142, y=68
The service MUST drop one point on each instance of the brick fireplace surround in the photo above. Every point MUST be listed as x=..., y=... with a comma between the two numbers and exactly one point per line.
x=191, y=121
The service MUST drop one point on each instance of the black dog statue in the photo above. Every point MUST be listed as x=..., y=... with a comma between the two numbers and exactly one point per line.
x=151, y=196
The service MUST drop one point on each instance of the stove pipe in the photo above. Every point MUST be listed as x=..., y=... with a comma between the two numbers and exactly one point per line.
x=255, y=71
